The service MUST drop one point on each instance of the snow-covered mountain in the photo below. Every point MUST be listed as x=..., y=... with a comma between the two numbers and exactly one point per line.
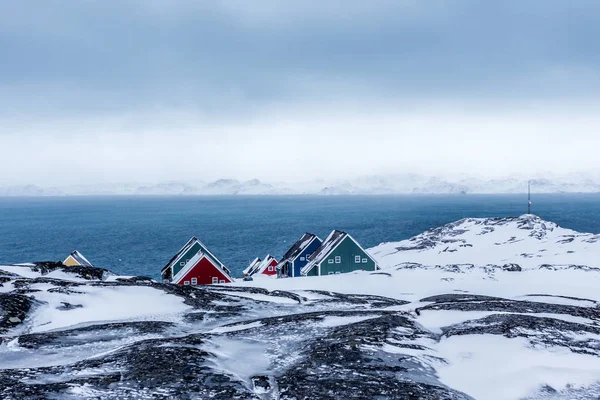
x=400, y=184
x=449, y=316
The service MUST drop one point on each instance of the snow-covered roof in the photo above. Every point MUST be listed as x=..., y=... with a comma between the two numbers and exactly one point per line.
x=81, y=260
x=189, y=245
x=251, y=266
x=329, y=244
x=264, y=264
x=299, y=246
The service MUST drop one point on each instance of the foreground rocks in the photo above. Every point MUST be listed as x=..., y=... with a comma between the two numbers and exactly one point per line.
x=65, y=339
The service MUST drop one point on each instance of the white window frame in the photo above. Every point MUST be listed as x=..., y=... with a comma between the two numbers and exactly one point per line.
x=330, y=273
x=302, y=259
x=338, y=259
x=215, y=280
x=365, y=260
x=337, y=272
x=222, y=281
x=330, y=261
x=356, y=259
x=194, y=281
x=271, y=268
x=182, y=263
x=186, y=283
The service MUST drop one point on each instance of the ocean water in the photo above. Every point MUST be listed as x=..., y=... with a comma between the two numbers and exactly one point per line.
x=138, y=235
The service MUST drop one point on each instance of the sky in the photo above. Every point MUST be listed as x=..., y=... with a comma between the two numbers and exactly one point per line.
x=156, y=90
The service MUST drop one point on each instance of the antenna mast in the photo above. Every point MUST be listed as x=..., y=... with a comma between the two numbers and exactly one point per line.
x=528, y=197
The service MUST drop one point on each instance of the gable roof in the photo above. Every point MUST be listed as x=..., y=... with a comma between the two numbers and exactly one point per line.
x=264, y=264
x=80, y=259
x=298, y=247
x=251, y=266
x=204, y=250
x=333, y=240
x=199, y=256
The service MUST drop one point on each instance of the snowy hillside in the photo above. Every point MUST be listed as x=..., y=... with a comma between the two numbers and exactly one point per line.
x=420, y=328
x=527, y=241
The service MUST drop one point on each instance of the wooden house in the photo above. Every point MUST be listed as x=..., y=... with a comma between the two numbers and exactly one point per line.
x=338, y=254
x=251, y=267
x=267, y=266
x=296, y=257
x=77, y=259
x=194, y=264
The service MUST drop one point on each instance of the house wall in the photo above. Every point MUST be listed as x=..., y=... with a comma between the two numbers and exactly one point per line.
x=299, y=263
x=204, y=271
x=347, y=251
x=274, y=271
x=188, y=255
x=70, y=262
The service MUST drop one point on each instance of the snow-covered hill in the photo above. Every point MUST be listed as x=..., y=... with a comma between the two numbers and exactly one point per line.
x=422, y=327
x=527, y=241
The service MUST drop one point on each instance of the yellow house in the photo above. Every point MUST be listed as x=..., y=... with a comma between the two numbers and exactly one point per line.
x=77, y=259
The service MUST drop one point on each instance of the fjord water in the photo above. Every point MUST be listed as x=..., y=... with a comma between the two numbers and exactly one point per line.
x=138, y=235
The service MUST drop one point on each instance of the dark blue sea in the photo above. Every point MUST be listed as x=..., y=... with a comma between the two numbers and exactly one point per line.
x=138, y=235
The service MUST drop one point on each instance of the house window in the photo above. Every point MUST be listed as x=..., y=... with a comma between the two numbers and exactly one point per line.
x=194, y=281
x=330, y=261
x=338, y=259
x=222, y=281
x=271, y=268
x=302, y=258
x=357, y=259
x=186, y=283
x=338, y=272
x=215, y=280
x=182, y=263
x=364, y=260
x=330, y=273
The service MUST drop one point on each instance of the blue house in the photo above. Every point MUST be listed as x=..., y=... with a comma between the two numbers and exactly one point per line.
x=297, y=256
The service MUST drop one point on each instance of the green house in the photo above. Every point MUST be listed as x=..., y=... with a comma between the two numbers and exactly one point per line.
x=338, y=254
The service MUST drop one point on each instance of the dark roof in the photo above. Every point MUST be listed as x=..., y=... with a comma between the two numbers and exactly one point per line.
x=328, y=244
x=185, y=248
x=81, y=260
x=299, y=246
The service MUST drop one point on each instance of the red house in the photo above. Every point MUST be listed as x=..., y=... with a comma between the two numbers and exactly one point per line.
x=268, y=266
x=194, y=264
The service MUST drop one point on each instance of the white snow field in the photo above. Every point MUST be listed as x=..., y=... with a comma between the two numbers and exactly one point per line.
x=491, y=309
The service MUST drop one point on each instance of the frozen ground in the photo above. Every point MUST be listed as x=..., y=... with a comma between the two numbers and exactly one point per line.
x=480, y=322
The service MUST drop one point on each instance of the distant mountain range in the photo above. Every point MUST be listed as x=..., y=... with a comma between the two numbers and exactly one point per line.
x=372, y=185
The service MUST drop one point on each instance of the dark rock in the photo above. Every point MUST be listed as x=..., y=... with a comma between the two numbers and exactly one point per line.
x=540, y=330
x=13, y=310
x=103, y=332
x=68, y=306
x=361, y=299
x=336, y=367
x=466, y=302
x=261, y=383
x=89, y=273
x=45, y=267
x=512, y=267
x=136, y=279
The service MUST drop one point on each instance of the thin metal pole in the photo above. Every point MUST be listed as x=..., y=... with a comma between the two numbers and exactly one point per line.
x=528, y=197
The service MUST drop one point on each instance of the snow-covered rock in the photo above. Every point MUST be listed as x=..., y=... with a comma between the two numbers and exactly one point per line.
x=471, y=323
x=526, y=241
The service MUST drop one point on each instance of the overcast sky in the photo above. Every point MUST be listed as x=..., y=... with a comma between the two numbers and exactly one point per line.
x=154, y=90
